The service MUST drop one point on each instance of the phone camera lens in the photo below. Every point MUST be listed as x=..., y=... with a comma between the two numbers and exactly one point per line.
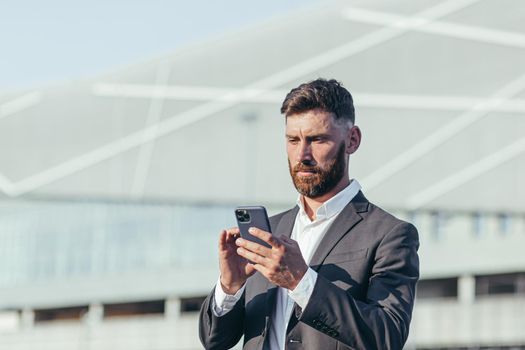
x=243, y=215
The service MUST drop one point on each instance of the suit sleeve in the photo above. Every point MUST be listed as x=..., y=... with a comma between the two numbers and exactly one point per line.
x=382, y=322
x=222, y=332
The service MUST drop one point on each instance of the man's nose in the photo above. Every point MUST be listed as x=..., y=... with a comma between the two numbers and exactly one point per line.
x=304, y=153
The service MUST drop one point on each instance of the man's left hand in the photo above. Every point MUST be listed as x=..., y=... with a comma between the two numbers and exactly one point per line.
x=282, y=264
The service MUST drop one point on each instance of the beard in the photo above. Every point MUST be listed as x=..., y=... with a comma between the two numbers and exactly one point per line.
x=322, y=180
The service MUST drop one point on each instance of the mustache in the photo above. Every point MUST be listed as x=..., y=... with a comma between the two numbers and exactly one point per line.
x=303, y=167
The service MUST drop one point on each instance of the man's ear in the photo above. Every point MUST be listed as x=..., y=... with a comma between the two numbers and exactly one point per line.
x=354, y=137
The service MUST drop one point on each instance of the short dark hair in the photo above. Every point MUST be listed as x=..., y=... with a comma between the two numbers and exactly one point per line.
x=327, y=95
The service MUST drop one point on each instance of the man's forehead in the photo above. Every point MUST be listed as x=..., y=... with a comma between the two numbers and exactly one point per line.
x=314, y=120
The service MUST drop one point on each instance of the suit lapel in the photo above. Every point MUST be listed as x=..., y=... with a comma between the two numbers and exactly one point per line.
x=345, y=221
x=285, y=226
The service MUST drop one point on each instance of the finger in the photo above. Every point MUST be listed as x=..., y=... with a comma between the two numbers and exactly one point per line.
x=233, y=231
x=265, y=236
x=227, y=240
x=262, y=269
x=232, y=234
x=253, y=247
x=222, y=238
x=251, y=256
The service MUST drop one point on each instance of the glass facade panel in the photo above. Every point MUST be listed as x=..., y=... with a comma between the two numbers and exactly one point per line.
x=508, y=283
x=437, y=288
x=42, y=241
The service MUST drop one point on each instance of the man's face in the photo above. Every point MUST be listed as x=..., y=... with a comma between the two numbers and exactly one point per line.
x=318, y=149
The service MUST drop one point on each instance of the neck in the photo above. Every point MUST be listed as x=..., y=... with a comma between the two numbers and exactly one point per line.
x=312, y=204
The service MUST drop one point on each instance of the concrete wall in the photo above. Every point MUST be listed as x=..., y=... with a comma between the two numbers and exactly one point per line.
x=489, y=321
x=436, y=324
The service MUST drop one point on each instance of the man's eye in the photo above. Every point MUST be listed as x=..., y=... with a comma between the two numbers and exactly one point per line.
x=293, y=141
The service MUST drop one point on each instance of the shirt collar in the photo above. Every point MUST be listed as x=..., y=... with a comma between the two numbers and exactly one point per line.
x=334, y=205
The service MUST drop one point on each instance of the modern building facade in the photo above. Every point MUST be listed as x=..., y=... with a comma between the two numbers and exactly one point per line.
x=113, y=189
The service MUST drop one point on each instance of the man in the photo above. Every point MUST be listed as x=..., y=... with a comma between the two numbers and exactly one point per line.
x=340, y=273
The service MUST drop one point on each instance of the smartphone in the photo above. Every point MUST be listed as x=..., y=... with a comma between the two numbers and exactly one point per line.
x=252, y=216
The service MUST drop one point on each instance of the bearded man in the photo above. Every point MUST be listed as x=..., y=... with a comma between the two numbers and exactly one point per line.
x=340, y=272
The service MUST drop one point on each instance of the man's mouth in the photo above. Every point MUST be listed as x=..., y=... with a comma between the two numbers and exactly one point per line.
x=306, y=172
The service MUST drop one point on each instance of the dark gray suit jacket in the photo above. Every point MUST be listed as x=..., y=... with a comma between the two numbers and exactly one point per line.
x=367, y=267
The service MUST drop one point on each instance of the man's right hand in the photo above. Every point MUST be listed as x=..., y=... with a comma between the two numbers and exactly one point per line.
x=235, y=270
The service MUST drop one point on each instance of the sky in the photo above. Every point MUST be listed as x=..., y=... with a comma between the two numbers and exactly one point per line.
x=46, y=42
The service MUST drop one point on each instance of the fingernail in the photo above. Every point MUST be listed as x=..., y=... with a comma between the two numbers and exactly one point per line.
x=238, y=241
x=251, y=229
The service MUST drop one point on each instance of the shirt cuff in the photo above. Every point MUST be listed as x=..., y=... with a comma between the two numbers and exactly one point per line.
x=222, y=302
x=302, y=292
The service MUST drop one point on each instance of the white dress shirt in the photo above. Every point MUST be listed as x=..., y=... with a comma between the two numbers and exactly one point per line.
x=308, y=234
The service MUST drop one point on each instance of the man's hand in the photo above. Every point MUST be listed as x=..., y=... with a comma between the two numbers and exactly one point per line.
x=282, y=264
x=235, y=270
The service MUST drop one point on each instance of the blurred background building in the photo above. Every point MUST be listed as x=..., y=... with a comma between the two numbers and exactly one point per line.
x=114, y=187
